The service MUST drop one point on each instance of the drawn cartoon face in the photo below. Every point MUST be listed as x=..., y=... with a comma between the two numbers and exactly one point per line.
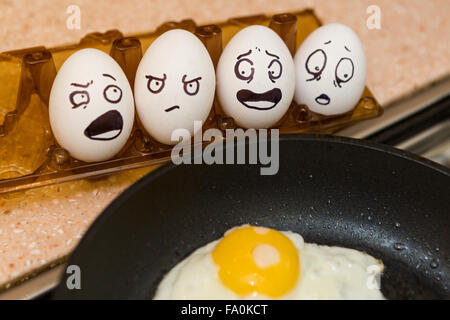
x=91, y=106
x=175, y=85
x=255, y=78
x=330, y=68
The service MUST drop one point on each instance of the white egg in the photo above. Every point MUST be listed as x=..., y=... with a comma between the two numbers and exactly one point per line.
x=255, y=78
x=330, y=68
x=325, y=273
x=91, y=106
x=175, y=85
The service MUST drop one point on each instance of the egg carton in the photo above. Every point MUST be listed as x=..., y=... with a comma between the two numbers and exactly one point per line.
x=29, y=154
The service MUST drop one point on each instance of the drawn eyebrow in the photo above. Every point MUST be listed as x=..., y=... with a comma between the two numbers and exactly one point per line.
x=110, y=76
x=272, y=55
x=186, y=81
x=347, y=49
x=150, y=77
x=329, y=41
x=82, y=85
x=244, y=54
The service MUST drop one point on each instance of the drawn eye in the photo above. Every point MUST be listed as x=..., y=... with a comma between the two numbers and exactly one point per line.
x=155, y=84
x=79, y=98
x=316, y=63
x=191, y=87
x=112, y=93
x=344, y=71
x=275, y=70
x=243, y=70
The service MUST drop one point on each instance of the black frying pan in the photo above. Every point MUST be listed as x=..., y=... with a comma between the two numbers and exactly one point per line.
x=333, y=191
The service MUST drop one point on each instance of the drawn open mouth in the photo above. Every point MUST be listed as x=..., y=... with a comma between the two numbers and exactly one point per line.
x=172, y=108
x=323, y=99
x=259, y=101
x=106, y=127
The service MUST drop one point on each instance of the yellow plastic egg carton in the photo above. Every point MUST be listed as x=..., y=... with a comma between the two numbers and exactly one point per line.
x=29, y=154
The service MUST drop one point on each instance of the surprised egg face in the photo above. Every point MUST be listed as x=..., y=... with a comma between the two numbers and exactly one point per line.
x=330, y=68
x=255, y=78
x=91, y=106
x=175, y=85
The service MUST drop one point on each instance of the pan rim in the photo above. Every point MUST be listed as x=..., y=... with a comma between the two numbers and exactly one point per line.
x=153, y=175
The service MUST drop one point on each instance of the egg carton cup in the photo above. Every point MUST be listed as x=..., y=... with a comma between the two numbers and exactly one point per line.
x=29, y=154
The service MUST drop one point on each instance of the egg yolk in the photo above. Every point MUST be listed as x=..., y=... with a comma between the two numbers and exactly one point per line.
x=257, y=260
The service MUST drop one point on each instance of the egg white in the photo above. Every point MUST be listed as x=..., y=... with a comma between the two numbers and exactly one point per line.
x=326, y=273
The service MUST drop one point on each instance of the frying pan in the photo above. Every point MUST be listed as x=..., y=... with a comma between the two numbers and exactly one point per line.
x=331, y=190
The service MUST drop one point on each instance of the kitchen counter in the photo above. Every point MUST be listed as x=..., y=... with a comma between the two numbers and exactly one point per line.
x=40, y=227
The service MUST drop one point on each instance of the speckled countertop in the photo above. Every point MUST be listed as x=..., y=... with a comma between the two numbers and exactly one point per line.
x=40, y=226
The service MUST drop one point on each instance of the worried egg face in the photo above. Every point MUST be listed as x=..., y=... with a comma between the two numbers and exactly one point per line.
x=255, y=78
x=330, y=68
x=175, y=85
x=91, y=106
x=261, y=263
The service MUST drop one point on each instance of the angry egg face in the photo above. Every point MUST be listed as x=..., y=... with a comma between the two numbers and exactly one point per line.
x=175, y=85
x=255, y=78
x=330, y=68
x=91, y=106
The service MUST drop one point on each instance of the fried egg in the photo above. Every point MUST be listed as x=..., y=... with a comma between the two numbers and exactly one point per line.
x=261, y=263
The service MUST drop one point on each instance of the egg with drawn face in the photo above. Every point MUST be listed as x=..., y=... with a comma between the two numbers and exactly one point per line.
x=174, y=86
x=91, y=106
x=255, y=78
x=330, y=68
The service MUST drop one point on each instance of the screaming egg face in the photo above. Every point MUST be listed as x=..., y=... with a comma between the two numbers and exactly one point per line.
x=261, y=263
x=91, y=106
x=330, y=68
x=255, y=78
x=175, y=85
